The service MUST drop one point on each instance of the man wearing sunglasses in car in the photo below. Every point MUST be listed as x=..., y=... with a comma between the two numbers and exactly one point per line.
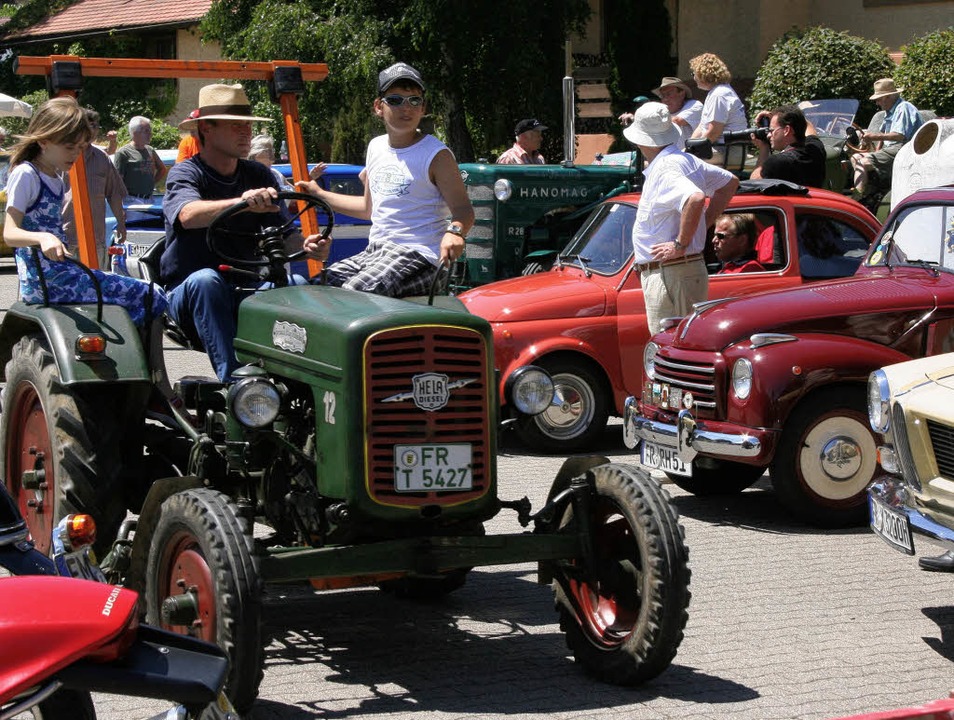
x=413, y=195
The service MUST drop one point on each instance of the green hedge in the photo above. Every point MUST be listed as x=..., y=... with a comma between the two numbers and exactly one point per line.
x=926, y=74
x=819, y=63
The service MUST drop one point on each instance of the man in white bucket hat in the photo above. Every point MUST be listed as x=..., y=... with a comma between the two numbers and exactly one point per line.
x=203, y=301
x=669, y=234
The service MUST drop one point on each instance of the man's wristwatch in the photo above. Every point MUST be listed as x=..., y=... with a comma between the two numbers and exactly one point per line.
x=455, y=228
x=677, y=245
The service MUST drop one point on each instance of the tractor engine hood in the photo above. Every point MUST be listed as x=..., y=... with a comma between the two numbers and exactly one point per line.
x=875, y=308
x=321, y=329
x=543, y=296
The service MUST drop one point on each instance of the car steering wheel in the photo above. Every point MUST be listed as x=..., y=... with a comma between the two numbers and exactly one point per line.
x=269, y=242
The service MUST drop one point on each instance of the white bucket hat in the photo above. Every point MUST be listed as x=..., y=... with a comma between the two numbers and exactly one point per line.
x=652, y=127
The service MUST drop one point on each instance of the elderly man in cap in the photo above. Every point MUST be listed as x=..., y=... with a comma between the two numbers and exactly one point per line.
x=901, y=120
x=669, y=234
x=412, y=186
x=526, y=146
x=203, y=301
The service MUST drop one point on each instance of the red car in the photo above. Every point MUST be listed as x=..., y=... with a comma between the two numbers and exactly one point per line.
x=779, y=380
x=584, y=320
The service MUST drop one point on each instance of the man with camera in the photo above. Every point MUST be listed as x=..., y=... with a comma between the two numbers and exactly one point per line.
x=798, y=157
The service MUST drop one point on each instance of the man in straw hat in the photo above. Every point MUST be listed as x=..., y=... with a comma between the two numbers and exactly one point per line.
x=203, y=301
x=412, y=185
x=901, y=120
x=669, y=234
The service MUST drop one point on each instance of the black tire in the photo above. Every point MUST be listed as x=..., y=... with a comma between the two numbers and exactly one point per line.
x=579, y=419
x=625, y=627
x=66, y=705
x=74, y=440
x=202, y=542
x=826, y=458
x=723, y=478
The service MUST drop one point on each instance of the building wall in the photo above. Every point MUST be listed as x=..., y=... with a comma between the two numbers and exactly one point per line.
x=190, y=47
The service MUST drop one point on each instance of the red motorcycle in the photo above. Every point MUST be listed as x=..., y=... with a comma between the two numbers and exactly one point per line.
x=62, y=638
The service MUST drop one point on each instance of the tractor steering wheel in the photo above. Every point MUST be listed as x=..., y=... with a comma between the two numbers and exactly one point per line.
x=269, y=242
x=856, y=142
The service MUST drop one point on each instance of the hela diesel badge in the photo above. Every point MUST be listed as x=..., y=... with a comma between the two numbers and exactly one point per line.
x=289, y=336
x=431, y=391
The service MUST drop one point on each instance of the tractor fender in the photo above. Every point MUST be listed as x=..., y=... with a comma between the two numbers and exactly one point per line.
x=124, y=361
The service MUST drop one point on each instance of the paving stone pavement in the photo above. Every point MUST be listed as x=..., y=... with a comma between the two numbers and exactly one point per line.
x=785, y=622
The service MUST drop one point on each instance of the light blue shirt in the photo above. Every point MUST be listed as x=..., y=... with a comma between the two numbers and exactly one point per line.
x=902, y=118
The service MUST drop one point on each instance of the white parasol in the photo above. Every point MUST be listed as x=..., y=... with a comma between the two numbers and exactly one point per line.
x=11, y=107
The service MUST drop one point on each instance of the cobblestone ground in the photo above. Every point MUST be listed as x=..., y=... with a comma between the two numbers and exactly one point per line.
x=785, y=622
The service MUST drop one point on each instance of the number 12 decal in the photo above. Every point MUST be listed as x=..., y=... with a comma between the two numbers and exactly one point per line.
x=330, y=402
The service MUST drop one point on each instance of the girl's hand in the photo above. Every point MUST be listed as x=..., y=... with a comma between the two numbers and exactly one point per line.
x=52, y=248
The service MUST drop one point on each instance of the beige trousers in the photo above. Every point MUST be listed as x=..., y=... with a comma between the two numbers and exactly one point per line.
x=671, y=290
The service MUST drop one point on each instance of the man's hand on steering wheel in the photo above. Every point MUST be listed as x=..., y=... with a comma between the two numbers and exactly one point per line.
x=261, y=200
x=317, y=247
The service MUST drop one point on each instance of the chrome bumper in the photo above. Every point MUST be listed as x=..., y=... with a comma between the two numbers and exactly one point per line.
x=686, y=436
x=894, y=493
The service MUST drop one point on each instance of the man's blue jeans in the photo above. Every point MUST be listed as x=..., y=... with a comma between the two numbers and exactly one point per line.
x=205, y=306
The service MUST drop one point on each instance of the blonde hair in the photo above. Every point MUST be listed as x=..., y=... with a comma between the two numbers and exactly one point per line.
x=710, y=69
x=60, y=121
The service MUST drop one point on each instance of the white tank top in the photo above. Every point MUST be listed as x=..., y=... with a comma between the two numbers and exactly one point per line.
x=407, y=208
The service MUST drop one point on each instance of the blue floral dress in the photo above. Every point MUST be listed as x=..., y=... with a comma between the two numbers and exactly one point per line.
x=65, y=282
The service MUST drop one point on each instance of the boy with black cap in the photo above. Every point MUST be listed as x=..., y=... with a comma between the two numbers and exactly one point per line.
x=526, y=147
x=411, y=186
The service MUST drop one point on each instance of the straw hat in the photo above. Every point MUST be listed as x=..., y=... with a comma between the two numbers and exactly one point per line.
x=221, y=102
x=672, y=82
x=883, y=87
x=652, y=126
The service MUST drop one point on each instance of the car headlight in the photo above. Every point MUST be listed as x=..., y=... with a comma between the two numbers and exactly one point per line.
x=503, y=189
x=742, y=378
x=879, y=397
x=649, y=360
x=254, y=402
x=529, y=389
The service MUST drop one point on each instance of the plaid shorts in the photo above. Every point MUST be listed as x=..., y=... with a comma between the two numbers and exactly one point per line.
x=383, y=268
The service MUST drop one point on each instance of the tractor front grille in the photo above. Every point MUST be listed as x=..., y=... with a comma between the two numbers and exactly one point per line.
x=393, y=359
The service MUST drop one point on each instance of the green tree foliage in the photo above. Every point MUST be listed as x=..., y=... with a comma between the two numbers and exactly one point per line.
x=484, y=69
x=817, y=63
x=926, y=73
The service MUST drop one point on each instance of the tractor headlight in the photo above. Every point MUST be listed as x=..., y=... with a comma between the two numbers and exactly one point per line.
x=650, y=351
x=742, y=378
x=503, y=189
x=879, y=398
x=254, y=402
x=529, y=389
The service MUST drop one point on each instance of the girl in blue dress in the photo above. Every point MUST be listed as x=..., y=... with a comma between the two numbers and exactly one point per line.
x=57, y=135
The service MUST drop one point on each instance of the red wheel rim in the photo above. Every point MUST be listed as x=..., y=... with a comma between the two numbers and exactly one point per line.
x=185, y=570
x=29, y=450
x=610, y=605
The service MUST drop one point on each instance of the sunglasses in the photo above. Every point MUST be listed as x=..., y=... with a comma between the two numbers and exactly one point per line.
x=399, y=100
x=722, y=235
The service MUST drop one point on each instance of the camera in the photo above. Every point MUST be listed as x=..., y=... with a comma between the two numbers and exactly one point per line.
x=762, y=133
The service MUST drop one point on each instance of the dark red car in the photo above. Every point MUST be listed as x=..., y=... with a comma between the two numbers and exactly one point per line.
x=584, y=320
x=778, y=380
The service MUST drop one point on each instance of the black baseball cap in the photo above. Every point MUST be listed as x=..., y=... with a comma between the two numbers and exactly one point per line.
x=531, y=124
x=398, y=71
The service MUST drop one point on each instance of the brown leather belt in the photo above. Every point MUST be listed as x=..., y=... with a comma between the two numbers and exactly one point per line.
x=655, y=264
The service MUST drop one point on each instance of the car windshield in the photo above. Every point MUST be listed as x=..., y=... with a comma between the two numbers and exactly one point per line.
x=830, y=117
x=605, y=243
x=919, y=234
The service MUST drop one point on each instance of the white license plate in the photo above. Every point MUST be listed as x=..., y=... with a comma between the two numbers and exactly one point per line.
x=891, y=526
x=432, y=467
x=663, y=458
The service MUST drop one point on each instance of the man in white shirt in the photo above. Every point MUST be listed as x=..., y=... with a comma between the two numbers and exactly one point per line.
x=669, y=234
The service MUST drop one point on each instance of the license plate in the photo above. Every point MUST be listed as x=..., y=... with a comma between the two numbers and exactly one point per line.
x=663, y=458
x=432, y=467
x=891, y=526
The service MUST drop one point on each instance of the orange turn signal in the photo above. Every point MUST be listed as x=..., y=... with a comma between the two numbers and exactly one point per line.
x=81, y=530
x=90, y=344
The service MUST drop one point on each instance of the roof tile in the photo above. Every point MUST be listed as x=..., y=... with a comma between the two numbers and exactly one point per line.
x=91, y=15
